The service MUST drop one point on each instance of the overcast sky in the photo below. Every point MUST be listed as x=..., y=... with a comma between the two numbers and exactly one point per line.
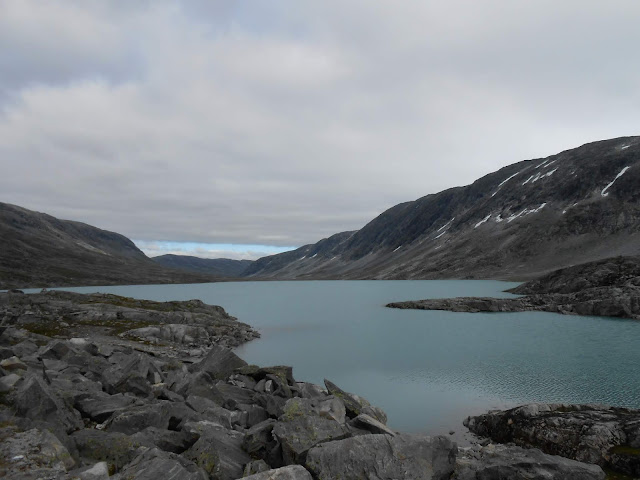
x=277, y=123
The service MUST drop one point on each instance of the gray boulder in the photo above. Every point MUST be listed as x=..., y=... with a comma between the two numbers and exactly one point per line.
x=498, y=462
x=34, y=454
x=370, y=424
x=291, y=472
x=35, y=400
x=100, y=471
x=101, y=406
x=219, y=452
x=156, y=464
x=219, y=362
x=352, y=402
x=301, y=427
x=382, y=457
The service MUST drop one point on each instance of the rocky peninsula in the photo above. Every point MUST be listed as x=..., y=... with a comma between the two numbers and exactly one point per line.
x=101, y=386
x=608, y=288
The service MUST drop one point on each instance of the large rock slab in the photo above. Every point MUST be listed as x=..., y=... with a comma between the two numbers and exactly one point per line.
x=36, y=401
x=219, y=452
x=606, y=436
x=301, y=427
x=156, y=464
x=382, y=457
x=219, y=362
x=498, y=462
x=291, y=472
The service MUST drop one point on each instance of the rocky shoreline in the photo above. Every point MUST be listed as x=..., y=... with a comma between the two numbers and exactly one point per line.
x=609, y=288
x=100, y=386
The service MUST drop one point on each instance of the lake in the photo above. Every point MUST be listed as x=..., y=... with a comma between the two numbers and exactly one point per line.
x=427, y=369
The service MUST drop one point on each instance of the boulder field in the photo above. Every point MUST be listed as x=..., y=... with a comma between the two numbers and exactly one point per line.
x=99, y=386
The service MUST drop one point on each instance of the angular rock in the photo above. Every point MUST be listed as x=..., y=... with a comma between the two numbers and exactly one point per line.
x=283, y=372
x=156, y=464
x=219, y=452
x=382, y=457
x=13, y=364
x=291, y=472
x=8, y=382
x=310, y=390
x=35, y=400
x=352, y=402
x=365, y=422
x=219, y=362
x=100, y=471
x=255, y=466
x=258, y=440
x=497, y=462
x=300, y=428
x=167, y=440
x=202, y=385
x=102, y=406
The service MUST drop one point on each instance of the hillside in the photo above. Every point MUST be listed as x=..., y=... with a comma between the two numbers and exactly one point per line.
x=520, y=222
x=219, y=267
x=39, y=250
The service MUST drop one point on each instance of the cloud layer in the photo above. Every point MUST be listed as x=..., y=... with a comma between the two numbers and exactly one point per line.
x=280, y=123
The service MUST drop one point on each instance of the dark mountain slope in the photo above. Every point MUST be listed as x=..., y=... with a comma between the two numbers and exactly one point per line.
x=220, y=267
x=38, y=250
x=519, y=222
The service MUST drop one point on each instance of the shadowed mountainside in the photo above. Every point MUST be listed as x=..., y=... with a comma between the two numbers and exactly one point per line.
x=39, y=250
x=520, y=222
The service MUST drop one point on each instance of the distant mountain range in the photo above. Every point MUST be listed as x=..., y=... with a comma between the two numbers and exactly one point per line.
x=219, y=267
x=38, y=250
x=522, y=221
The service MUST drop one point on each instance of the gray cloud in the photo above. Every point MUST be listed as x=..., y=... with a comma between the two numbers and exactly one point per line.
x=280, y=124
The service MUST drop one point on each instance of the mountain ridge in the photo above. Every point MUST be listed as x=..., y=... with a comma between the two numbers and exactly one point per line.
x=39, y=250
x=523, y=220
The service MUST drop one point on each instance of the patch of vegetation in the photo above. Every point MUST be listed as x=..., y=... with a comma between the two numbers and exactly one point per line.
x=612, y=475
x=625, y=450
x=46, y=328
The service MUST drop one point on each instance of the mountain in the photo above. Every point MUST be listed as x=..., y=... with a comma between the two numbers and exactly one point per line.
x=220, y=267
x=39, y=250
x=520, y=222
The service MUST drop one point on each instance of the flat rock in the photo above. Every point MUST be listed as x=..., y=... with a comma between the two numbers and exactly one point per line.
x=382, y=457
x=156, y=464
x=219, y=362
x=498, y=462
x=291, y=472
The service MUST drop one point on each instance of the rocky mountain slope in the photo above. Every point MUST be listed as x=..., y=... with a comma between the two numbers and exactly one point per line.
x=522, y=221
x=219, y=267
x=39, y=250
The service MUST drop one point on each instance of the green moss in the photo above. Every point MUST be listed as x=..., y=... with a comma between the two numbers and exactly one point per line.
x=625, y=450
x=292, y=410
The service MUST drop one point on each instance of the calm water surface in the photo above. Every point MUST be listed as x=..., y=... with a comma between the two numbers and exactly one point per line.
x=427, y=370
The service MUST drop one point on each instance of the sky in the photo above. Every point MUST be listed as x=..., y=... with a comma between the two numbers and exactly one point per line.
x=234, y=128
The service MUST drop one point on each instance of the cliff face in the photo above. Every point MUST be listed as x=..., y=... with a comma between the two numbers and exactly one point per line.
x=517, y=223
x=39, y=250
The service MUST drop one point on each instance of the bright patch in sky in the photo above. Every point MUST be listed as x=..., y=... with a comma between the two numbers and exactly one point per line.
x=209, y=250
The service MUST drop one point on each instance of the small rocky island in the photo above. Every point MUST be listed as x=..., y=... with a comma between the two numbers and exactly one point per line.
x=608, y=288
x=101, y=386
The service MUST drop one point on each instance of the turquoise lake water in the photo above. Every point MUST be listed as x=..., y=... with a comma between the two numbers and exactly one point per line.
x=427, y=369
